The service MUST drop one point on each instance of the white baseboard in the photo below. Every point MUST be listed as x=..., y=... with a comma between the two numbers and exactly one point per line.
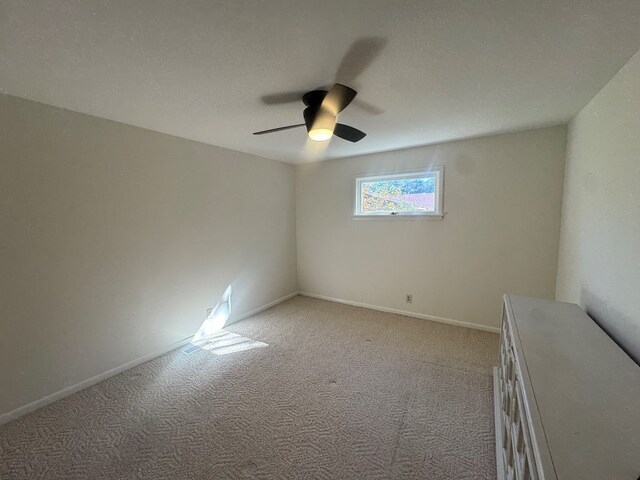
x=65, y=392
x=30, y=407
x=449, y=321
x=260, y=309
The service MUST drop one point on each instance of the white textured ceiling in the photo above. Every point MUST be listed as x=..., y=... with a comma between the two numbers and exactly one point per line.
x=426, y=71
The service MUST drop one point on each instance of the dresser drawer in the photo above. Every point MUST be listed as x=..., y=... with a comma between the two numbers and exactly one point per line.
x=514, y=449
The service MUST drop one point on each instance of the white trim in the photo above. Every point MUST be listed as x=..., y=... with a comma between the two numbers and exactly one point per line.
x=404, y=216
x=433, y=318
x=497, y=412
x=436, y=171
x=65, y=392
x=262, y=308
x=30, y=407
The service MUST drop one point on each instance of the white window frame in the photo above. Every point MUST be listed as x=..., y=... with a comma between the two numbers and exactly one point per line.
x=435, y=171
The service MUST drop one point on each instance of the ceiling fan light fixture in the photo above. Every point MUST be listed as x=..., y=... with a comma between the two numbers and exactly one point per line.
x=321, y=115
x=320, y=134
x=322, y=126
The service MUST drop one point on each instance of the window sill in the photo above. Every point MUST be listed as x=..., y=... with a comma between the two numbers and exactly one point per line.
x=406, y=216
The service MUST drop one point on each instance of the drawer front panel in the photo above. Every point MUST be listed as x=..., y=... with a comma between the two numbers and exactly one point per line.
x=518, y=461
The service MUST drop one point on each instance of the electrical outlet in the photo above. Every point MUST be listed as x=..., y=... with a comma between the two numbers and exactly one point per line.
x=409, y=298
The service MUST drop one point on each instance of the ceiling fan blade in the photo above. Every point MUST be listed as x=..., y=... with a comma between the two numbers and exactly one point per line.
x=338, y=98
x=281, y=98
x=272, y=130
x=365, y=106
x=359, y=57
x=348, y=133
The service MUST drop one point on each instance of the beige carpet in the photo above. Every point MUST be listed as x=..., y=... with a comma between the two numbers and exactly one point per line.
x=339, y=393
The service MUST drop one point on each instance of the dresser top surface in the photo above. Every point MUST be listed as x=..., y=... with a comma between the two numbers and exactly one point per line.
x=586, y=389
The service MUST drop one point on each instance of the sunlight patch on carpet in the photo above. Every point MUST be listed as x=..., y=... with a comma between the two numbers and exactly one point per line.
x=223, y=343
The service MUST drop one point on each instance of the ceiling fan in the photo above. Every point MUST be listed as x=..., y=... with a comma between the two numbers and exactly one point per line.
x=321, y=114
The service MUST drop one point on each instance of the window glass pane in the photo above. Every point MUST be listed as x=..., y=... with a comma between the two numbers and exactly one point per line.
x=402, y=195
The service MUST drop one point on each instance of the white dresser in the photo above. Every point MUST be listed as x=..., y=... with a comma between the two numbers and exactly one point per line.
x=567, y=398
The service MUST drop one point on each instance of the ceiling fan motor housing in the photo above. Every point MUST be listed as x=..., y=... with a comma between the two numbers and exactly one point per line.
x=314, y=98
x=310, y=114
x=313, y=101
x=321, y=122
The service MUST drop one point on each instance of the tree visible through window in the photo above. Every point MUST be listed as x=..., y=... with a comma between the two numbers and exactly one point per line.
x=401, y=194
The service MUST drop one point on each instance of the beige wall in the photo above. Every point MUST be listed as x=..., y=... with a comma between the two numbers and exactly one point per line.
x=115, y=240
x=599, y=265
x=502, y=200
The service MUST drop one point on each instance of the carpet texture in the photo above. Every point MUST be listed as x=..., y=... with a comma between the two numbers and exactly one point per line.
x=339, y=392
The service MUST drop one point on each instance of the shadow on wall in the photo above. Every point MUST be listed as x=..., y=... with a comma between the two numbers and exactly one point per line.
x=604, y=314
x=464, y=165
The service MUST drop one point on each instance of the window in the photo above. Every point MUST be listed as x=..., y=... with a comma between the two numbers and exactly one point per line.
x=415, y=193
